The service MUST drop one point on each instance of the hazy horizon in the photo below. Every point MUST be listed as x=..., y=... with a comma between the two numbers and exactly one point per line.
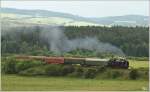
x=84, y=9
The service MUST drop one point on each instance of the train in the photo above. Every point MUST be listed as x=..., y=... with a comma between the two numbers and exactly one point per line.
x=113, y=63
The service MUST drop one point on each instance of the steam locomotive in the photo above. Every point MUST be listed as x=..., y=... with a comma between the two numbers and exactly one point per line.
x=114, y=63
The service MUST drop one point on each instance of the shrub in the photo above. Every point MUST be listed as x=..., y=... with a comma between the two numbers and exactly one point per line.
x=23, y=65
x=79, y=71
x=133, y=74
x=90, y=73
x=53, y=70
x=101, y=69
x=67, y=69
x=9, y=66
x=33, y=71
x=115, y=74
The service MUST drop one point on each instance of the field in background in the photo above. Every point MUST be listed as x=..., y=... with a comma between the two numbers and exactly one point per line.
x=13, y=82
x=139, y=64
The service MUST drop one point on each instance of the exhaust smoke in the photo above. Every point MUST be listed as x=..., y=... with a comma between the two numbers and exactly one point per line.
x=59, y=43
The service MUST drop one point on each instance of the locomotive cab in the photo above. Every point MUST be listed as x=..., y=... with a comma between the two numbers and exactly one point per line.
x=118, y=63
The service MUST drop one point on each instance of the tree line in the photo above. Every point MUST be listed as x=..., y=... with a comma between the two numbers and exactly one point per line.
x=133, y=41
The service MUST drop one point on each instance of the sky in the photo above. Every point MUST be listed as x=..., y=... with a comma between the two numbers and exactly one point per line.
x=85, y=8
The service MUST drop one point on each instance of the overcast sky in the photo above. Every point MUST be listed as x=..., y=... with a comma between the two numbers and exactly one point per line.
x=85, y=8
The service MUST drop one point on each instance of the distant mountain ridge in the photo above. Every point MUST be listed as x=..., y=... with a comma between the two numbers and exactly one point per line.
x=66, y=19
x=44, y=13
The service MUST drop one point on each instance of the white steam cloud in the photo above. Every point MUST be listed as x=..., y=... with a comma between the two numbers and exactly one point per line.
x=59, y=43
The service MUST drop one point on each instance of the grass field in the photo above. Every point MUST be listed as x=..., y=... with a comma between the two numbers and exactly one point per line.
x=14, y=82
x=139, y=64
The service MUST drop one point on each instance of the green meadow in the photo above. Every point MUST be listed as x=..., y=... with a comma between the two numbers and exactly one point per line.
x=20, y=83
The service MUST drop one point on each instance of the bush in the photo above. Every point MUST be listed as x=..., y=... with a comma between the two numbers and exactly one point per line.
x=33, y=71
x=101, y=69
x=67, y=69
x=115, y=74
x=23, y=65
x=9, y=66
x=133, y=74
x=53, y=70
x=79, y=71
x=90, y=73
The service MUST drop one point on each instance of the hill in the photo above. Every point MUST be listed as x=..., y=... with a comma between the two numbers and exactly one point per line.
x=20, y=17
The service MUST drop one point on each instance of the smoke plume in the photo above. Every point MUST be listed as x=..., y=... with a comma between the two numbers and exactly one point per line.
x=59, y=43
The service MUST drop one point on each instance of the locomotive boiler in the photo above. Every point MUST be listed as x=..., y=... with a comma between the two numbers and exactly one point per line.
x=114, y=63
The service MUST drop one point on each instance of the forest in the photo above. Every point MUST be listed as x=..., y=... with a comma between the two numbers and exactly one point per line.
x=133, y=41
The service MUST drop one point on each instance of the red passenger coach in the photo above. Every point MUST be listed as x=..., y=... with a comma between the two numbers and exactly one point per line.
x=48, y=60
x=54, y=60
